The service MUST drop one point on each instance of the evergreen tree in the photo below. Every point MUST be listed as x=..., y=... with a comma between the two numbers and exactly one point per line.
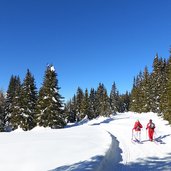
x=2, y=111
x=167, y=112
x=70, y=110
x=156, y=82
x=146, y=91
x=164, y=80
x=92, y=103
x=86, y=105
x=28, y=102
x=135, y=98
x=79, y=104
x=141, y=93
x=103, y=102
x=114, y=99
x=49, y=112
x=124, y=102
x=12, y=104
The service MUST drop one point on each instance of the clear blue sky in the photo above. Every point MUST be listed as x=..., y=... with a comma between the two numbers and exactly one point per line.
x=88, y=41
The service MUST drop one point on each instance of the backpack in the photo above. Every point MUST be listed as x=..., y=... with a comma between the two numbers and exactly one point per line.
x=152, y=125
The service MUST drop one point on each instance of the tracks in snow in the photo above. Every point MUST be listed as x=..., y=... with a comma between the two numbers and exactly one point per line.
x=132, y=156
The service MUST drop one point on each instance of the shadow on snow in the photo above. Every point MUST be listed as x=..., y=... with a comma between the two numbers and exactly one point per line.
x=82, y=165
x=99, y=162
x=159, y=139
x=111, y=161
x=84, y=121
x=108, y=120
x=149, y=164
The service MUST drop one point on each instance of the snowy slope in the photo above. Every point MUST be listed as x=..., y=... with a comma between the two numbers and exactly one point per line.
x=45, y=149
x=145, y=156
x=103, y=144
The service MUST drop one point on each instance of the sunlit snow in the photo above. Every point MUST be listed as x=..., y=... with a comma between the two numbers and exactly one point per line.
x=100, y=144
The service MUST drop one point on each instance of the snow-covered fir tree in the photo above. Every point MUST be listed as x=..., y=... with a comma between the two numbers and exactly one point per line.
x=79, y=103
x=114, y=99
x=167, y=111
x=163, y=88
x=49, y=109
x=156, y=84
x=12, y=104
x=146, y=91
x=134, y=103
x=70, y=110
x=86, y=105
x=92, y=104
x=2, y=111
x=103, y=102
x=28, y=102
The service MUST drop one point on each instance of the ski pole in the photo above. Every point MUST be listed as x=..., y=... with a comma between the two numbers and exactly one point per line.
x=155, y=135
x=140, y=136
x=132, y=134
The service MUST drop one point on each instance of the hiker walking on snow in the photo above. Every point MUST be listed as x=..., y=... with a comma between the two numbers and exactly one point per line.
x=136, y=130
x=150, y=127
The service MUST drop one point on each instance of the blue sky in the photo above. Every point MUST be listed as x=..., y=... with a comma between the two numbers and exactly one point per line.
x=88, y=41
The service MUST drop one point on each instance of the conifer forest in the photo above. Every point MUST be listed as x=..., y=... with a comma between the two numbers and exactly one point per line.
x=24, y=106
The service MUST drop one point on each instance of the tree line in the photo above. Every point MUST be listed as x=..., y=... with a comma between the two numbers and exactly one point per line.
x=96, y=103
x=152, y=91
x=24, y=106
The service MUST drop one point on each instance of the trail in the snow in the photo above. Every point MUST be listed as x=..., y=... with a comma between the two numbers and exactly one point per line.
x=148, y=155
x=123, y=154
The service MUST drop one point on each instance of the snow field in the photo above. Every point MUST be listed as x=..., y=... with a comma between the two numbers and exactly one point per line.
x=43, y=149
x=97, y=145
x=134, y=154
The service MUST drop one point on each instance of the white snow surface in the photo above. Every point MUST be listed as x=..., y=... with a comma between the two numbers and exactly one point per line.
x=102, y=144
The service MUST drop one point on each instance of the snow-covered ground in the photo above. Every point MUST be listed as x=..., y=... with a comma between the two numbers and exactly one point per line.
x=103, y=144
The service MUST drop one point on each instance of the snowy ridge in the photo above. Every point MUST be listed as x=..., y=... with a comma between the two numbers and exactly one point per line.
x=112, y=157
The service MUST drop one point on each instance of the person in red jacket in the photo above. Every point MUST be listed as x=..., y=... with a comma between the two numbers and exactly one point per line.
x=150, y=127
x=137, y=130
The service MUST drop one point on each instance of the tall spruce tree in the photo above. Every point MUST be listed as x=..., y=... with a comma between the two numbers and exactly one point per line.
x=156, y=81
x=79, y=104
x=86, y=105
x=164, y=80
x=146, y=91
x=114, y=99
x=12, y=104
x=28, y=102
x=70, y=110
x=103, y=102
x=2, y=111
x=49, y=112
x=92, y=102
x=124, y=102
x=135, y=96
x=141, y=92
x=167, y=111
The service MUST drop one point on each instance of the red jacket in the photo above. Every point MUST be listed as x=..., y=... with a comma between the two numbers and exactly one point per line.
x=137, y=126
